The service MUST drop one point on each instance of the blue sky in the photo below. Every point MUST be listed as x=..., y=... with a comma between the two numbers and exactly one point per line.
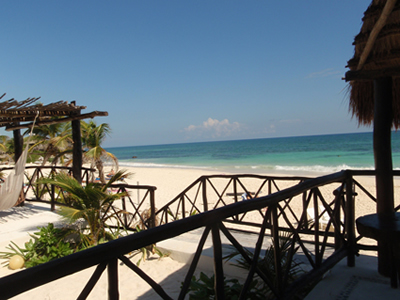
x=186, y=71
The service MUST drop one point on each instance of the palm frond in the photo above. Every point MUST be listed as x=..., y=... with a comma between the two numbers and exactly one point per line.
x=70, y=214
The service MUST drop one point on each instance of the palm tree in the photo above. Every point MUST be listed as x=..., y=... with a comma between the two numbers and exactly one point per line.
x=52, y=141
x=92, y=138
x=6, y=148
x=91, y=202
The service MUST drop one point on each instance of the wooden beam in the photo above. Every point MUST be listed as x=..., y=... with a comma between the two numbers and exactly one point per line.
x=371, y=74
x=55, y=121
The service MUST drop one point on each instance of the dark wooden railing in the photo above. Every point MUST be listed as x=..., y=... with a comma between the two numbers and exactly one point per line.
x=211, y=192
x=276, y=215
x=134, y=202
x=141, y=212
x=45, y=192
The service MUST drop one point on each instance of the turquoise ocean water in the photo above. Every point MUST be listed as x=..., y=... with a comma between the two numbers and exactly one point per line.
x=316, y=154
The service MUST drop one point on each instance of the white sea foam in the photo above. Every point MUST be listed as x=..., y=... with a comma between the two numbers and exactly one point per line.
x=154, y=165
x=255, y=168
x=319, y=168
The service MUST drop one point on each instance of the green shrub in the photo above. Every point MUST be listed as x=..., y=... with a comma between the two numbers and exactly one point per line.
x=46, y=245
x=203, y=289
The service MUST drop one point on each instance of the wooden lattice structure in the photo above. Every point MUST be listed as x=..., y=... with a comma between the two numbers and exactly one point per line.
x=13, y=113
x=16, y=115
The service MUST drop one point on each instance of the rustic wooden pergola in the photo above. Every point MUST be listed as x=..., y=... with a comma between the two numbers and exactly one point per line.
x=16, y=115
x=374, y=78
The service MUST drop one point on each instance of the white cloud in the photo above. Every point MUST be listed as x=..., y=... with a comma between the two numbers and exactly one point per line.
x=214, y=128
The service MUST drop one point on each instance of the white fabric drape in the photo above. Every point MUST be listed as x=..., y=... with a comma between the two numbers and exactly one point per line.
x=11, y=188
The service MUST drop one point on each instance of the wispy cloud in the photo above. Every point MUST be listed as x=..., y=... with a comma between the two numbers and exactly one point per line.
x=324, y=73
x=290, y=121
x=214, y=128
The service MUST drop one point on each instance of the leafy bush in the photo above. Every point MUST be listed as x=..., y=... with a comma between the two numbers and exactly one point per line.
x=266, y=263
x=146, y=251
x=91, y=202
x=46, y=245
x=203, y=289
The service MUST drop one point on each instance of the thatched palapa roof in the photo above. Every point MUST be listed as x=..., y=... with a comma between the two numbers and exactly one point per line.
x=377, y=54
x=21, y=114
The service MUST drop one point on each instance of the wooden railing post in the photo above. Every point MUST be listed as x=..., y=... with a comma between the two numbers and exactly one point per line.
x=235, y=189
x=53, y=201
x=152, y=209
x=304, y=202
x=277, y=251
x=204, y=191
x=124, y=209
x=183, y=206
x=350, y=221
x=269, y=186
x=336, y=215
x=318, y=258
x=218, y=269
x=112, y=270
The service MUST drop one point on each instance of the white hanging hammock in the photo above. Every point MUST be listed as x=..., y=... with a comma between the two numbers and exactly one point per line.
x=12, y=186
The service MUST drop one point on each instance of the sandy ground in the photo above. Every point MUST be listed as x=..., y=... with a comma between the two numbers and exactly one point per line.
x=17, y=223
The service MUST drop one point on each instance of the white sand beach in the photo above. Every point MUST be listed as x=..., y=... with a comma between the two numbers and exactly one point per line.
x=17, y=223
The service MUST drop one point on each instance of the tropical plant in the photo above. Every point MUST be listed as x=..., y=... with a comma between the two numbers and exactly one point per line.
x=92, y=202
x=92, y=138
x=47, y=244
x=146, y=251
x=266, y=263
x=204, y=289
x=6, y=148
x=52, y=142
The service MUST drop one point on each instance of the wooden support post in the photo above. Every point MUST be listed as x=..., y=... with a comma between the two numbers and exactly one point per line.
x=277, y=251
x=152, y=209
x=318, y=258
x=53, y=198
x=18, y=144
x=350, y=215
x=204, y=191
x=218, y=268
x=18, y=147
x=77, y=149
x=112, y=270
x=336, y=215
x=304, y=202
x=235, y=189
x=183, y=206
x=382, y=145
x=383, y=118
